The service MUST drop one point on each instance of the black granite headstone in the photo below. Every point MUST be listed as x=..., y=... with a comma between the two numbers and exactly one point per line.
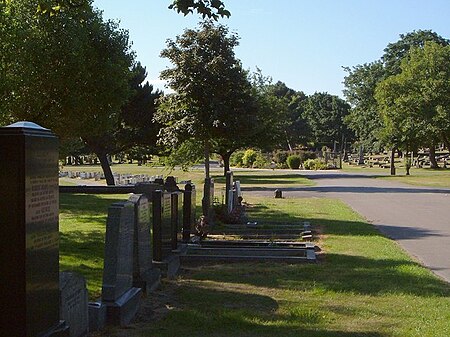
x=144, y=275
x=29, y=202
x=187, y=212
x=166, y=224
x=177, y=218
x=162, y=225
x=171, y=184
x=157, y=218
x=118, y=294
x=163, y=255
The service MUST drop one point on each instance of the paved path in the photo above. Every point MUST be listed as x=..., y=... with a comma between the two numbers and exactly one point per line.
x=416, y=217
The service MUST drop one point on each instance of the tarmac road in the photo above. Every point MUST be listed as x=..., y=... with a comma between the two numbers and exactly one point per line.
x=418, y=218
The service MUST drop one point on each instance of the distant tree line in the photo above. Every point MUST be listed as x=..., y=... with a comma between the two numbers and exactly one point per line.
x=74, y=72
x=401, y=101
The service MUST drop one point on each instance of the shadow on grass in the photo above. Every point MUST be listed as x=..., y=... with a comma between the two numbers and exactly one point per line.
x=270, y=218
x=214, y=312
x=337, y=273
x=83, y=252
x=87, y=204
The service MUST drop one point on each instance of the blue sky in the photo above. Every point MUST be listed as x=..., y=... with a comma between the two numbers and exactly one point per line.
x=299, y=42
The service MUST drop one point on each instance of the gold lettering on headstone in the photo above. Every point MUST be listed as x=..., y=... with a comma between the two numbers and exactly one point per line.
x=41, y=200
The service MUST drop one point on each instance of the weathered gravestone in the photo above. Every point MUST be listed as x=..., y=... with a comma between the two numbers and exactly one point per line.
x=144, y=275
x=171, y=184
x=29, y=256
x=208, y=200
x=229, y=191
x=74, y=303
x=118, y=294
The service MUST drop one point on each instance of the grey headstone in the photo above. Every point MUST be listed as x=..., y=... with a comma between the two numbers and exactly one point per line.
x=74, y=303
x=118, y=262
x=97, y=316
x=230, y=200
x=118, y=294
x=228, y=187
x=237, y=186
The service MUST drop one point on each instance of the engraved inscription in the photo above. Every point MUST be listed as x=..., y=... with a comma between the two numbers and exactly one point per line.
x=42, y=200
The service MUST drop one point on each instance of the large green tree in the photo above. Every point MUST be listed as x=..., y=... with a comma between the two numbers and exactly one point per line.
x=213, y=9
x=364, y=119
x=68, y=72
x=361, y=81
x=213, y=103
x=288, y=104
x=415, y=103
x=395, y=52
x=325, y=116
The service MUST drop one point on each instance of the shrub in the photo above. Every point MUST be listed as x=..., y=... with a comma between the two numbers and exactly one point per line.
x=261, y=161
x=293, y=161
x=305, y=155
x=249, y=158
x=236, y=159
x=314, y=164
x=280, y=157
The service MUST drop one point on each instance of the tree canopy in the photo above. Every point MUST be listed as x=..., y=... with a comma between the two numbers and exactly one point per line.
x=361, y=83
x=213, y=9
x=415, y=103
x=325, y=115
x=69, y=72
x=213, y=101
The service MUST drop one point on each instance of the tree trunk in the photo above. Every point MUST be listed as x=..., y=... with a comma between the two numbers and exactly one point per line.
x=104, y=162
x=287, y=141
x=433, y=163
x=206, y=159
x=392, y=162
x=408, y=162
x=226, y=162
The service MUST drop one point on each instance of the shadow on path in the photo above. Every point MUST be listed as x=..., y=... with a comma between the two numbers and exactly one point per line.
x=406, y=233
x=350, y=189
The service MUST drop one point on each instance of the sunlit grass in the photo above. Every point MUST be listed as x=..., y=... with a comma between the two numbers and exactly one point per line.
x=418, y=176
x=363, y=285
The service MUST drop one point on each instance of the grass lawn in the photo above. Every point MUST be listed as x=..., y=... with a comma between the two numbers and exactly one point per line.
x=82, y=226
x=363, y=285
x=418, y=177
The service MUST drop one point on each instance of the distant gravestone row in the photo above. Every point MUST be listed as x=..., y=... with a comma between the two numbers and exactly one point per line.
x=142, y=242
x=119, y=179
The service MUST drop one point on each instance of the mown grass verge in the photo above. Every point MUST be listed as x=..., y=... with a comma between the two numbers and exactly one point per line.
x=363, y=285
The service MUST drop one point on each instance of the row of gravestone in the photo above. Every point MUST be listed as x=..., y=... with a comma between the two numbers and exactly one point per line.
x=232, y=192
x=119, y=179
x=41, y=301
x=143, y=240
